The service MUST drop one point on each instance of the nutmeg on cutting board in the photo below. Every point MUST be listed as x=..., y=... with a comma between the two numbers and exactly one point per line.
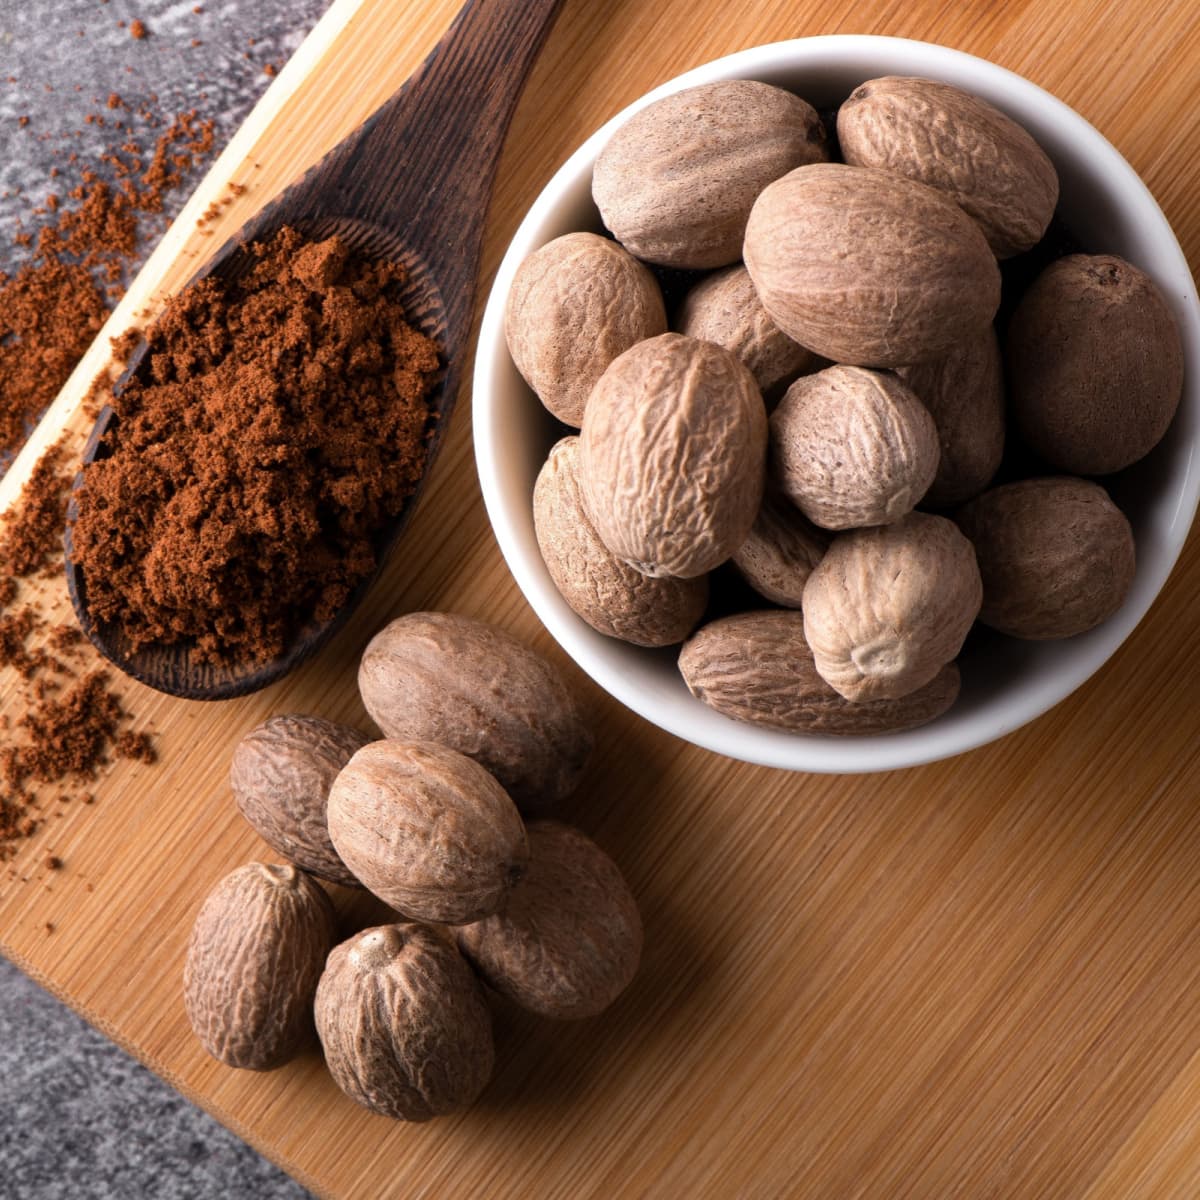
x=857, y=409
x=478, y=729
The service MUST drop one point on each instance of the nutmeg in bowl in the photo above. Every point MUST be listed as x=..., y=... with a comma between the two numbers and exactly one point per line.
x=1006, y=681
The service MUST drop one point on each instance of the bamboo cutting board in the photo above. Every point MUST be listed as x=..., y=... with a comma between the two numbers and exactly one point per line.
x=973, y=979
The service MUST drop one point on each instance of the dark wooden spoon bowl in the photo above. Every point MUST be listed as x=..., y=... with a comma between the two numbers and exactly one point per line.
x=411, y=185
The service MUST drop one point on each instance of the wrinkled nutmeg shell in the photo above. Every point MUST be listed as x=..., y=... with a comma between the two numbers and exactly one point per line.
x=281, y=774
x=256, y=952
x=888, y=607
x=403, y=1023
x=672, y=456
x=1095, y=364
x=868, y=268
x=780, y=551
x=444, y=678
x=964, y=393
x=575, y=304
x=675, y=183
x=724, y=308
x=1056, y=556
x=757, y=667
x=852, y=447
x=569, y=940
x=427, y=830
x=608, y=594
x=942, y=136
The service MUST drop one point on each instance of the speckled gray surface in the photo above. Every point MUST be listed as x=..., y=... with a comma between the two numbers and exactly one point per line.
x=82, y=1119
x=78, y=1117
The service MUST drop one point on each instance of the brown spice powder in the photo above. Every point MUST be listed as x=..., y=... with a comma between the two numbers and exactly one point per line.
x=49, y=314
x=67, y=736
x=55, y=303
x=57, y=736
x=32, y=537
x=283, y=423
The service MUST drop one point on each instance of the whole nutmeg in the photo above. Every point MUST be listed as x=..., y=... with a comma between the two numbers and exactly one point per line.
x=403, y=1023
x=757, y=667
x=888, y=607
x=281, y=774
x=608, y=594
x=942, y=136
x=441, y=677
x=1056, y=556
x=675, y=183
x=852, y=447
x=780, y=551
x=964, y=393
x=868, y=268
x=724, y=308
x=427, y=830
x=1095, y=364
x=576, y=304
x=569, y=940
x=253, y=961
x=672, y=456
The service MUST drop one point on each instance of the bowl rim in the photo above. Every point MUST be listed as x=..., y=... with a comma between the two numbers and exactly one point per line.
x=594, y=653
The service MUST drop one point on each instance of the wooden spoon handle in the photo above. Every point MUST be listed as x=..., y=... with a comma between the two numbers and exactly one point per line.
x=433, y=147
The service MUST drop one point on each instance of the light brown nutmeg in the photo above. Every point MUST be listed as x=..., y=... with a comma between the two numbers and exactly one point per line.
x=672, y=456
x=427, y=830
x=569, y=940
x=575, y=304
x=780, y=551
x=441, y=677
x=1056, y=556
x=868, y=268
x=942, y=136
x=675, y=183
x=403, y=1022
x=964, y=393
x=851, y=447
x=888, y=607
x=757, y=667
x=607, y=593
x=725, y=308
x=1095, y=364
x=253, y=961
x=281, y=774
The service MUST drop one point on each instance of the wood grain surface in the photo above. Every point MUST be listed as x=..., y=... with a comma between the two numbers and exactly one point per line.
x=976, y=979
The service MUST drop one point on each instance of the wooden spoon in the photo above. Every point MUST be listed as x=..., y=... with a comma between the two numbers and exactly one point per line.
x=411, y=185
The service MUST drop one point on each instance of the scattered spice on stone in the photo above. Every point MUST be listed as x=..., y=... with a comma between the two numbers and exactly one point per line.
x=283, y=422
x=137, y=29
x=54, y=304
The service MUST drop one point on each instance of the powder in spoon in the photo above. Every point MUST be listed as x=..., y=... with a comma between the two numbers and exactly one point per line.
x=282, y=423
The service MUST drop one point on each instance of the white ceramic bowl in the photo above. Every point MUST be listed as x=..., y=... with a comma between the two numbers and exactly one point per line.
x=1005, y=682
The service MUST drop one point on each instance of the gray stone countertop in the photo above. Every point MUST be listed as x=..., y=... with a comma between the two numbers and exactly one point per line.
x=78, y=1117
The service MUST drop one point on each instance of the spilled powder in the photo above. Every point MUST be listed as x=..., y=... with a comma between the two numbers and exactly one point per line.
x=55, y=302
x=70, y=722
x=31, y=540
x=283, y=422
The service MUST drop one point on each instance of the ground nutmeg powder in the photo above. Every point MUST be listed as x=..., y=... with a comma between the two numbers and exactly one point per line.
x=53, y=304
x=278, y=424
x=69, y=723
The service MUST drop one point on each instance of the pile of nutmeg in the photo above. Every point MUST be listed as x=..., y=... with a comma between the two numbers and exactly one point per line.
x=478, y=730
x=831, y=418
